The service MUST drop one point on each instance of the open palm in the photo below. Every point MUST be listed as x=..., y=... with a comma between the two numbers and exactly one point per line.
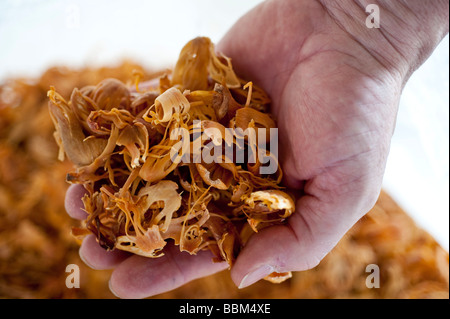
x=335, y=101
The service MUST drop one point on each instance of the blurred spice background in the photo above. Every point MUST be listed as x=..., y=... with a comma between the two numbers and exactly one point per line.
x=35, y=241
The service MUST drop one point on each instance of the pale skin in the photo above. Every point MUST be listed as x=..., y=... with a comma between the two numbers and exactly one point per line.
x=335, y=86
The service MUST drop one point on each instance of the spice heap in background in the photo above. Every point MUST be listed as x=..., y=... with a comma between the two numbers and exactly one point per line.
x=36, y=245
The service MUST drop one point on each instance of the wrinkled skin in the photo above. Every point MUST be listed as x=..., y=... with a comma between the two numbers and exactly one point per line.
x=335, y=86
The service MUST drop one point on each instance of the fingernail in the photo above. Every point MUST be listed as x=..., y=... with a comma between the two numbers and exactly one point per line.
x=111, y=289
x=83, y=259
x=256, y=275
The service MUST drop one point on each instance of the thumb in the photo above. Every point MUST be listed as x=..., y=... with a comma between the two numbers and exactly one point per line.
x=296, y=246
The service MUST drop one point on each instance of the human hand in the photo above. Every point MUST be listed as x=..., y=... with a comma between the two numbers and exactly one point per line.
x=335, y=87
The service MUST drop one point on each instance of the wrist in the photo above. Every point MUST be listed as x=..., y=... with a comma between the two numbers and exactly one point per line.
x=408, y=30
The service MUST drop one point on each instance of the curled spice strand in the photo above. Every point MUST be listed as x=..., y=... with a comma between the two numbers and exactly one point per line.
x=143, y=191
x=168, y=104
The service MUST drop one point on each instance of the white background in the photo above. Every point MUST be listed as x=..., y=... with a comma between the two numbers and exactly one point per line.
x=35, y=35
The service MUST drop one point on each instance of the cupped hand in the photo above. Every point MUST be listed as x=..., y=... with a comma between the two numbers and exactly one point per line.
x=335, y=87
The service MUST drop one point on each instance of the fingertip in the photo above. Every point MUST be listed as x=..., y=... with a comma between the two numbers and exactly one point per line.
x=140, y=277
x=73, y=202
x=270, y=250
x=111, y=288
x=93, y=255
x=132, y=279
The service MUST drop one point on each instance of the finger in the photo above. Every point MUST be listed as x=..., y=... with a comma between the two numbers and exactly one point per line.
x=96, y=257
x=73, y=203
x=299, y=245
x=140, y=277
x=274, y=249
